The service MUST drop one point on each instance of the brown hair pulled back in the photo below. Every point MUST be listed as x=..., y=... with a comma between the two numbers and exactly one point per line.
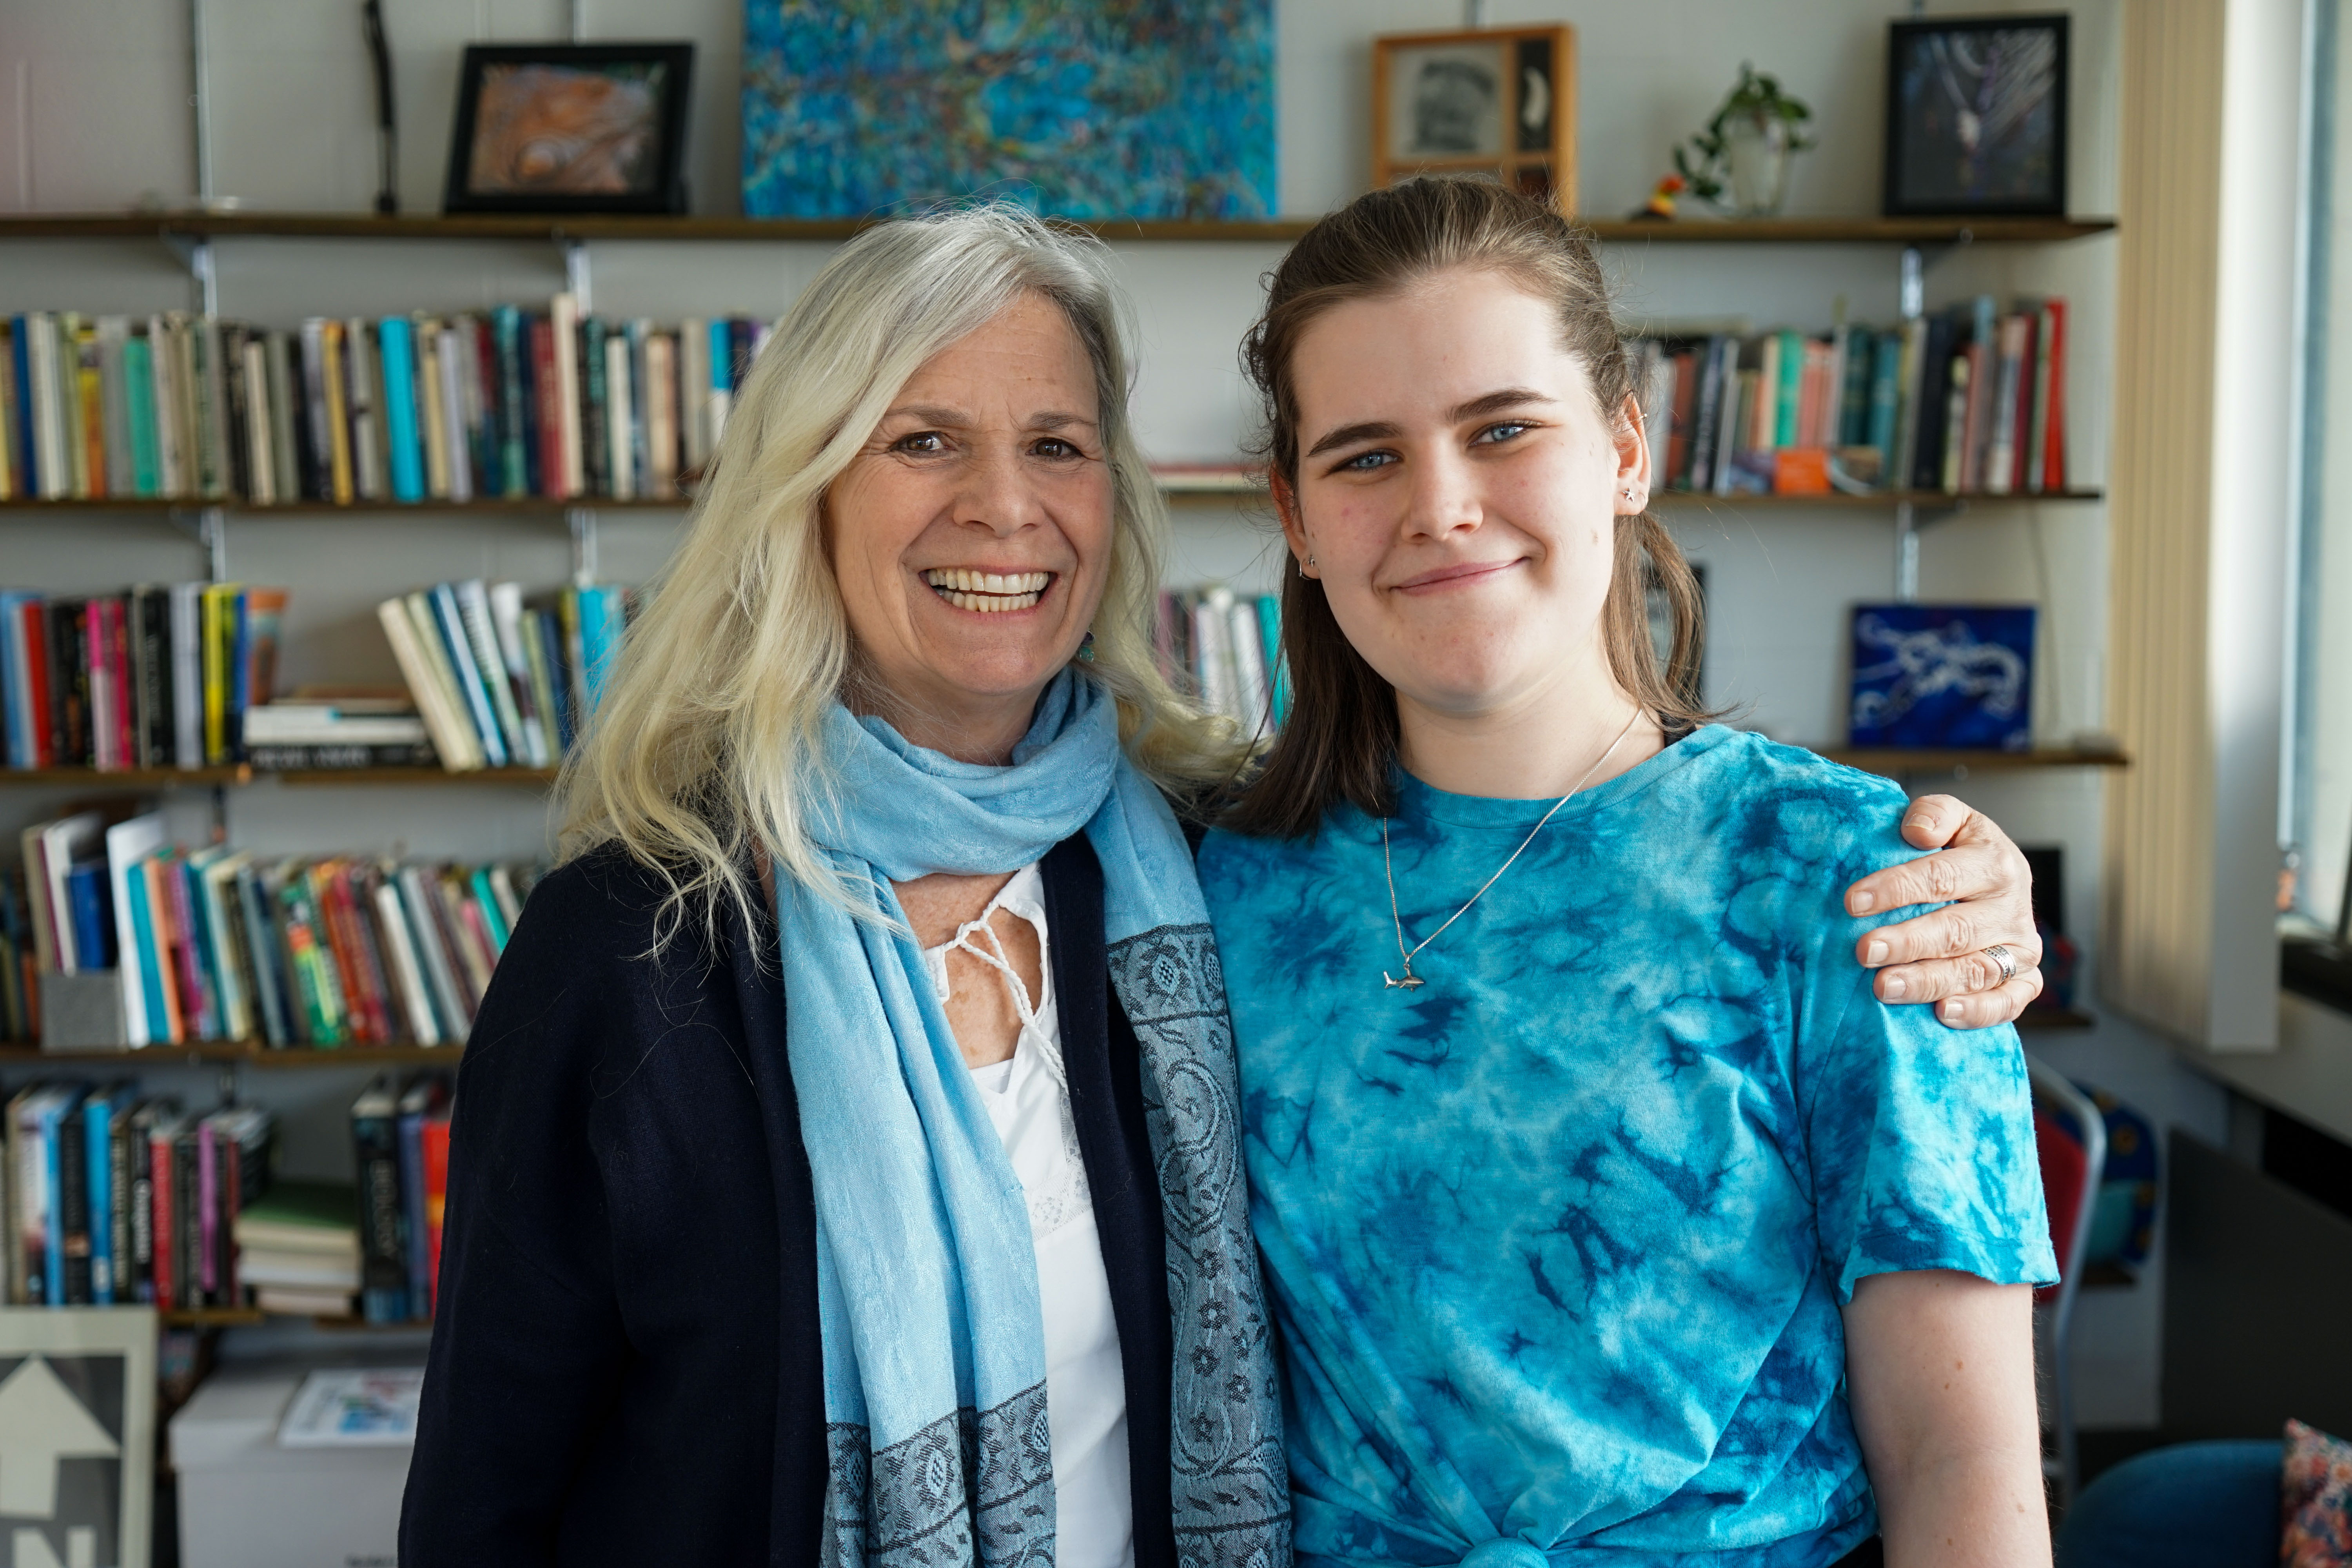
x=1340, y=739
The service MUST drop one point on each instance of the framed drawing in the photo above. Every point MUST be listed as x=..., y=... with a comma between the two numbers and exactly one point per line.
x=1500, y=102
x=1940, y=677
x=78, y=1435
x=1076, y=109
x=1975, y=117
x=570, y=128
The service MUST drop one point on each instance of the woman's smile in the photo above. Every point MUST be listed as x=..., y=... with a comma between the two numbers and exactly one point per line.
x=989, y=592
x=1464, y=574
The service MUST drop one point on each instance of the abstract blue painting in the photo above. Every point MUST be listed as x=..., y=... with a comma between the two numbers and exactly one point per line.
x=1081, y=109
x=1957, y=676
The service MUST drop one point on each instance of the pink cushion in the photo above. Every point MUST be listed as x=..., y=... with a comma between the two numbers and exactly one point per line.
x=2316, y=1497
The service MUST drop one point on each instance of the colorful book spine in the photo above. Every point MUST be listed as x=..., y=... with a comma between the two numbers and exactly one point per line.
x=403, y=436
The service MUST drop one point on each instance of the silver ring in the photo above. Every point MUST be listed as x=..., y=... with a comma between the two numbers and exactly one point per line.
x=2000, y=955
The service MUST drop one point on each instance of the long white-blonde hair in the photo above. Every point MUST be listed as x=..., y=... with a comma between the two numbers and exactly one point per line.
x=704, y=745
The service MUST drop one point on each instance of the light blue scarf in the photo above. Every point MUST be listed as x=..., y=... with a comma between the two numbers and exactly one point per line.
x=934, y=1346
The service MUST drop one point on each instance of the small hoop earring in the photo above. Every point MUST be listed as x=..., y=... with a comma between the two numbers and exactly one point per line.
x=1310, y=558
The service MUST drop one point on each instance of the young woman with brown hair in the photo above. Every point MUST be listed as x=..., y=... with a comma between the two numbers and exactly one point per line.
x=1604, y=1207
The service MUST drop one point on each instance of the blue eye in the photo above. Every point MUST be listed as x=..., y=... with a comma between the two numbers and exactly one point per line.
x=1365, y=462
x=1496, y=434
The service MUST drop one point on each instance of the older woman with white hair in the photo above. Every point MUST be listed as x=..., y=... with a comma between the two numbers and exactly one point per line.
x=844, y=1165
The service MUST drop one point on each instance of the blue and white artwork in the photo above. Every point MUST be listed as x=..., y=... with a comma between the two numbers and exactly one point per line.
x=1943, y=676
x=1082, y=109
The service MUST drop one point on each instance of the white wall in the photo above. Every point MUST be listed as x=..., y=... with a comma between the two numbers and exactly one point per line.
x=92, y=118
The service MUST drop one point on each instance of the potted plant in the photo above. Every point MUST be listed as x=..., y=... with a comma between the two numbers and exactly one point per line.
x=1747, y=147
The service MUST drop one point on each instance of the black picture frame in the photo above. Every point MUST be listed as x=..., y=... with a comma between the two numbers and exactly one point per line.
x=653, y=180
x=2023, y=172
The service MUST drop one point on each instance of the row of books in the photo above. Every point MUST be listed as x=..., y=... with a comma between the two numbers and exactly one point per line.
x=1969, y=400
x=158, y=676
x=219, y=944
x=1224, y=650
x=505, y=404
x=399, y=1134
x=498, y=683
x=114, y=1198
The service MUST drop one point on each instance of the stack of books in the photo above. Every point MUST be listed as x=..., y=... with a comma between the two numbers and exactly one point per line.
x=399, y=1134
x=159, y=676
x=1225, y=649
x=299, y=1249
x=1966, y=401
x=115, y=1198
x=217, y=944
x=504, y=404
x=337, y=730
x=497, y=684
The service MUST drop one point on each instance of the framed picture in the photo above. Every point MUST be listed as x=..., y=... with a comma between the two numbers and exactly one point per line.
x=77, y=1434
x=1500, y=102
x=1943, y=676
x=570, y=127
x=1975, y=117
x=1075, y=109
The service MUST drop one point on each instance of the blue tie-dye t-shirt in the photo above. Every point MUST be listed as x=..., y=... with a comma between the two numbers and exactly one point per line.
x=1557, y=1242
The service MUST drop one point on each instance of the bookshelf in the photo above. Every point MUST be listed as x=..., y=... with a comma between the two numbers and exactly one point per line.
x=1892, y=764
x=1191, y=484
x=243, y=1053
x=201, y=227
x=243, y=774
x=267, y=245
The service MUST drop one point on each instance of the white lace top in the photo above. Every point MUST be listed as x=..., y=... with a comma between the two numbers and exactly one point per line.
x=1028, y=1099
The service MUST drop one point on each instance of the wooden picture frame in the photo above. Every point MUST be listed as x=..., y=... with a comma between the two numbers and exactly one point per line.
x=1498, y=101
x=570, y=127
x=2010, y=160
x=77, y=1420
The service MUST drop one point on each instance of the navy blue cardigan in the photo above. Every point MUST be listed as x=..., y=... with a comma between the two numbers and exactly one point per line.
x=626, y=1365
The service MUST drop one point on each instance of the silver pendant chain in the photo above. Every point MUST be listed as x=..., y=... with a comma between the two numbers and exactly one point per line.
x=1414, y=982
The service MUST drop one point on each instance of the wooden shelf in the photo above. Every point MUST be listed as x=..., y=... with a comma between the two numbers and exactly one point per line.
x=124, y=778
x=1852, y=230
x=1893, y=763
x=528, y=778
x=242, y=1052
x=1876, y=500
x=533, y=506
x=211, y=1317
x=134, y=779
x=246, y=1317
x=494, y=227
x=1175, y=480
x=2038, y=1020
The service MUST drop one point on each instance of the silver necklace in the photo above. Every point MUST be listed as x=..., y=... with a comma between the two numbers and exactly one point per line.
x=1410, y=982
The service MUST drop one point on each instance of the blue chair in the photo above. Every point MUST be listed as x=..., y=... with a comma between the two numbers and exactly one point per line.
x=2193, y=1505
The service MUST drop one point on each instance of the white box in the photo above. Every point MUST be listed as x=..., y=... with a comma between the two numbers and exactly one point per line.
x=245, y=1502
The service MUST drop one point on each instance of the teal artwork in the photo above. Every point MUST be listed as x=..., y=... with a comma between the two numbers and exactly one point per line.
x=1114, y=109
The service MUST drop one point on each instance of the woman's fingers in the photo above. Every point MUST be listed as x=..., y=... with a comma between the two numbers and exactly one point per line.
x=1931, y=821
x=1985, y=1008
x=1976, y=861
x=1935, y=980
x=1977, y=873
x=1956, y=931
